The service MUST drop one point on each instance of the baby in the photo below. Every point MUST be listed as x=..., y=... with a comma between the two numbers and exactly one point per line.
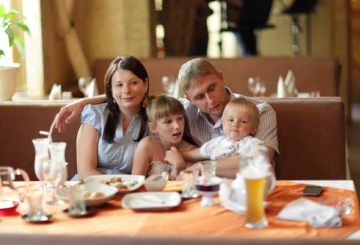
x=240, y=121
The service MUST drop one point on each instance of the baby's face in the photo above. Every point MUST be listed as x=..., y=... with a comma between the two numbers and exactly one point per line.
x=238, y=124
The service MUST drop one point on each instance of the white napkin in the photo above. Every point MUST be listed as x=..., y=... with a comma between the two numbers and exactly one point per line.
x=315, y=214
x=281, y=89
x=177, y=91
x=233, y=197
x=91, y=89
x=55, y=93
x=290, y=84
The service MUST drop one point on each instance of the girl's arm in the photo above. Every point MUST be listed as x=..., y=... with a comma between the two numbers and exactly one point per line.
x=142, y=157
x=86, y=151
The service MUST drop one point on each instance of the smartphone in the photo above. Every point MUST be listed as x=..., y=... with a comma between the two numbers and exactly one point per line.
x=312, y=190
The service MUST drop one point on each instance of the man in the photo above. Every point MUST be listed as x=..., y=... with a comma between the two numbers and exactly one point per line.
x=204, y=102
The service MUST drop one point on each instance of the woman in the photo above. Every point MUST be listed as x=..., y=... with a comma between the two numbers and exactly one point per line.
x=110, y=132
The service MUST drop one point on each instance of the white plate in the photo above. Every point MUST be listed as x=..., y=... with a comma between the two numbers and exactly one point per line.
x=107, y=190
x=127, y=178
x=151, y=201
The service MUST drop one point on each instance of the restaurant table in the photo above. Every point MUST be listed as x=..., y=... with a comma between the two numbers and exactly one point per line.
x=187, y=223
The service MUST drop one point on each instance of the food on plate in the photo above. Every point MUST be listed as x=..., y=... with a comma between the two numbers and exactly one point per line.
x=120, y=183
x=92, y=195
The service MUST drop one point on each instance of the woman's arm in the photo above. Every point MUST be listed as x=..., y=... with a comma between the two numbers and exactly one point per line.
x=142, y=157
x=73, y=111
x=86, y=151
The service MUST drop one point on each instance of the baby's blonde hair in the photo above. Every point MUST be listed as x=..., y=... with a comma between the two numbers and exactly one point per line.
x=244, y=105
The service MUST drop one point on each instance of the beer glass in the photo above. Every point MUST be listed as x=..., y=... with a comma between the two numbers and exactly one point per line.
x=255, y=176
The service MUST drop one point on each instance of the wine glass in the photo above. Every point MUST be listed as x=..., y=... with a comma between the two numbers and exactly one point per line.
x=252, y=85
x=54, y=172
x=208, y=187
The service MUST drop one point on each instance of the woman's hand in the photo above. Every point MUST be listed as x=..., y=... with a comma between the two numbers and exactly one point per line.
x=68, y=114
x=174, y=157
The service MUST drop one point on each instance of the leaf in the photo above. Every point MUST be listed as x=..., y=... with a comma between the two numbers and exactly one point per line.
x=2, y=10
x=10, y=34
x=22, y=26
x=1, y=51
x=19, y=45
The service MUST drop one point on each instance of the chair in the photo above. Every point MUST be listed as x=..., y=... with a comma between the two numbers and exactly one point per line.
x=246, y=20
x=296, y=8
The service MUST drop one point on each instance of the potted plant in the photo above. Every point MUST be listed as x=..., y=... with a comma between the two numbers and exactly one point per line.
x=8, y=21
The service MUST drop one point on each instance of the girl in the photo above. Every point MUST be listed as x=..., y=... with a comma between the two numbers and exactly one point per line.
x=168, y=124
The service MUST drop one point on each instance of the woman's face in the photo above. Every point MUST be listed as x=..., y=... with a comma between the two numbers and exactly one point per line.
x=170, y=129
x=128, y=90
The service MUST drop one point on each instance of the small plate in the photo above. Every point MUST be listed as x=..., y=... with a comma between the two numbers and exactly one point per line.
x=89, y=211
x=45, y=218
x=194, y=195
x=132, y=182
x=151, y=201
x=108, y=191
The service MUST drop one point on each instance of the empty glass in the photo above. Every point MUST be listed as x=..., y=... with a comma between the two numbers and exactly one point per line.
x=77, y=205
x=188, y=185
x=208, y=169
x=54, y=172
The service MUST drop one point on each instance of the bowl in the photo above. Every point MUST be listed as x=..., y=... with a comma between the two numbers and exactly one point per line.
x=156, y=182
x=8, y=207
x=107, y=191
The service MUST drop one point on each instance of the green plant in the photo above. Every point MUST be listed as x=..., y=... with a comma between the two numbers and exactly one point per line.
x=9, y=20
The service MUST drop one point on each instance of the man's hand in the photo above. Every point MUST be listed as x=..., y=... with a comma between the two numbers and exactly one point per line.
x=68, y=114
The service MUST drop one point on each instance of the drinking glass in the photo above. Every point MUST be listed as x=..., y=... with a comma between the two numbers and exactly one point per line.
x=256, y=173
x=53, y=173
x=41, y=154
x=188, y=186
x=208, y=169
x=57, y=153
x=255, y=212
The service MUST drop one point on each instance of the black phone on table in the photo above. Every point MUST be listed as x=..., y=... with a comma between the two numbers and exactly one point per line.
x=312, y=190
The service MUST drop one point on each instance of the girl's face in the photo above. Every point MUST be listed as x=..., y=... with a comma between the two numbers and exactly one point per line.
x=238, y=124
x=170, y=129
x=128, y=90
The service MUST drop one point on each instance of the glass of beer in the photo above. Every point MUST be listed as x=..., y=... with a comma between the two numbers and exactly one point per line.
x=255, y=179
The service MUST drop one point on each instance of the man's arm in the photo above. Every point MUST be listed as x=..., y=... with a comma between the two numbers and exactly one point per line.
x=225, y=168
x=192, y=155
x=73, y=110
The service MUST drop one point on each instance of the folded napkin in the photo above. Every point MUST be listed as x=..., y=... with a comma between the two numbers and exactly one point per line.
x=55, y=93
x=290, y=84
x=287, y=88
x=281, y=89
x=91, y=89
x=233, y=197
x=315, y=214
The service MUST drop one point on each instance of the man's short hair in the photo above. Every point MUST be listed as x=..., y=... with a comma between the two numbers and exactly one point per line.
x=193, y=70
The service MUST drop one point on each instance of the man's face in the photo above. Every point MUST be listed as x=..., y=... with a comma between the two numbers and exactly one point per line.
x=209, y=95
